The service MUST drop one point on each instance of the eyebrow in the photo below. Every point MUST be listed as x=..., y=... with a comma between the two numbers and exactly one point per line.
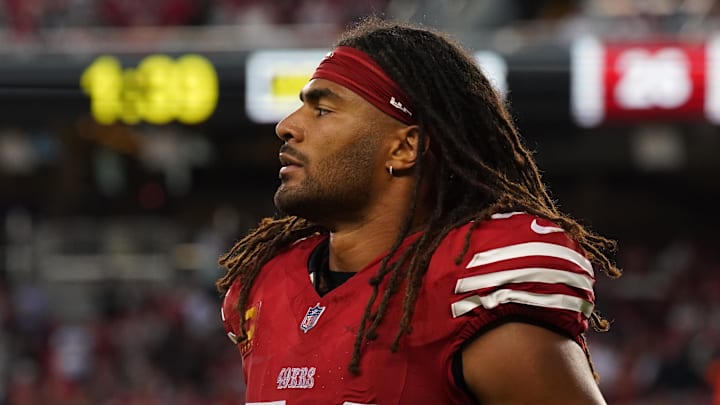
x=315, y=95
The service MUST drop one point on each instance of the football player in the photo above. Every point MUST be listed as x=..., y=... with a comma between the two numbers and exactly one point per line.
x=419, y=258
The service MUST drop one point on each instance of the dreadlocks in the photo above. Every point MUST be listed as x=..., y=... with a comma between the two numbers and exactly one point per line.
x=482, y=168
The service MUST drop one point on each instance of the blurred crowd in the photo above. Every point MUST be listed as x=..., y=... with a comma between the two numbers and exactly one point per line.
x=26, y=18
x=664, y=343
x=164, y=345
x=142, y=327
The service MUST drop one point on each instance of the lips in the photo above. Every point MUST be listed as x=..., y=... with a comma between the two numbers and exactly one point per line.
x=288, y=160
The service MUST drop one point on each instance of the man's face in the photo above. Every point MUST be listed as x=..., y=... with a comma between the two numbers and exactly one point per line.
x=331, y=156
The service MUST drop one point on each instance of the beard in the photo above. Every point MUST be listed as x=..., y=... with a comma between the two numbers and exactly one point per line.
x=337, y=187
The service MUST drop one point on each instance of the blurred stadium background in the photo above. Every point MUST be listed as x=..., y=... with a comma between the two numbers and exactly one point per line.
x=137, y=142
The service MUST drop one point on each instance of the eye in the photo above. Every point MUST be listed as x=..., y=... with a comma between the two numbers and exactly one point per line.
x=321, y=111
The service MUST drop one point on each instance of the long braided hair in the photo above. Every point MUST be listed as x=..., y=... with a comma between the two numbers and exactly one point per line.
x=482, y=168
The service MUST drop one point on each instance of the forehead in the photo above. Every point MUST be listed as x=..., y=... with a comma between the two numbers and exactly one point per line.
x=317, y=89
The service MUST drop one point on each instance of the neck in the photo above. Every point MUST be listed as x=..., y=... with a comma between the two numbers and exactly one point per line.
x=355, y=244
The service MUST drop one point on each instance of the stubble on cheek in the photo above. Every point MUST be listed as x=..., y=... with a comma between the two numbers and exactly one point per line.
x=338, y=185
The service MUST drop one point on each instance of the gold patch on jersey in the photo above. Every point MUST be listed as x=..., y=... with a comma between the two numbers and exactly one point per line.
x=251, y=316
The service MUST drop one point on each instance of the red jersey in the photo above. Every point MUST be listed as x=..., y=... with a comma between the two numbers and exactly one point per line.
x=518, y=267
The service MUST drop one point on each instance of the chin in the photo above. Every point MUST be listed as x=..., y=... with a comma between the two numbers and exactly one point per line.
x=306, y=208
x=288, y=203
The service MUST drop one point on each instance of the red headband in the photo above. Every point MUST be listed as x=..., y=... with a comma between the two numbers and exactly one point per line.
x=354, y=69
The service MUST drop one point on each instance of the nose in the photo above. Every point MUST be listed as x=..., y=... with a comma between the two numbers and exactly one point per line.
x=289, y=127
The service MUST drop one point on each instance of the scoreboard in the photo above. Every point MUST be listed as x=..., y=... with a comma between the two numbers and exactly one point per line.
x=159, y=90
x=652, y=81
x=591, y=82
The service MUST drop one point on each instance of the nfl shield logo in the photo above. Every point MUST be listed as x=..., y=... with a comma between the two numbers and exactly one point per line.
x=311, y=317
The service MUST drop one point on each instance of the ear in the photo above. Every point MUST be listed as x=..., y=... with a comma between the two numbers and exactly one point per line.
x=405, y=148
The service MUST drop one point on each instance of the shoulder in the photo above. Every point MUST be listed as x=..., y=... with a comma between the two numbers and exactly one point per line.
x=518, y=266
x=507, y=229
x=512, y=236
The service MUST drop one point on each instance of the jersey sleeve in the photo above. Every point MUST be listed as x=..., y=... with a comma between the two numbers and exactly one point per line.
x=523, y=268
x=232, y=316
x=229, y=313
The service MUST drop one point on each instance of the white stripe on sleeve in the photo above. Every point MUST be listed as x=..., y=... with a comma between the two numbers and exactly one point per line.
x=557, y=301
x=527, y=275
x=531, y=249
